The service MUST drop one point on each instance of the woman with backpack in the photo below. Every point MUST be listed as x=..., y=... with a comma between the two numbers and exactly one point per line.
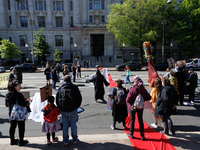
x=119, y=109
x=137, y=90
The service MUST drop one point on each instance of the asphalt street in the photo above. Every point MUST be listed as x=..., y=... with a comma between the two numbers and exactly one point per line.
x=96, y=119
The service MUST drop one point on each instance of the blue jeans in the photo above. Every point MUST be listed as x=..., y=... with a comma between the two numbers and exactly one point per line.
x=69, y=120
x=127, y=79
x=53, y=84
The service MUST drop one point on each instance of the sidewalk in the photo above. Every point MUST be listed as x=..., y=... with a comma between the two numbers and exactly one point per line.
x=87, y=142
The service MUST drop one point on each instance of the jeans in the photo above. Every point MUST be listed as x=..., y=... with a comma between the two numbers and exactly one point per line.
x=21, y=126
x=127, y=79
x=140, y=120
x=78, y=74
x=53, y=84
x=69, y=120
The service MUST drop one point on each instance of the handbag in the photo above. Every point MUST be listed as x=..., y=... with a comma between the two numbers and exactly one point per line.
x=58, y=79
x=49, y=75
x=19, y=113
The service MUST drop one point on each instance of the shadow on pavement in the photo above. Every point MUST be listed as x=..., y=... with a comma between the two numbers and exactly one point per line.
x=2, y=136
x=2, y=121
x=187, y=128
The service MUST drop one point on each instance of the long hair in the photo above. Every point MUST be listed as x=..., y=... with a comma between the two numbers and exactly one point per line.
x=11, y=86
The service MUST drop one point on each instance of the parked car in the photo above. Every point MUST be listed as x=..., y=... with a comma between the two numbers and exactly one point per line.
x=193, y=63
x=2, y=69
x=160, y=66
x=133, y=65
x=25, y=67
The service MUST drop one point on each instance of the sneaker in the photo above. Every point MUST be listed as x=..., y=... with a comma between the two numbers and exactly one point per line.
x=65, y=143
x=55, y=140
x=76, y=141
x=130, y=135
x=154, y=125
x=112, y=127
x=48, y=142
x=192, y=103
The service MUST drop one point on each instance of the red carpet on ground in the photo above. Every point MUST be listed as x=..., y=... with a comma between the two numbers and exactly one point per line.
x=153, y=139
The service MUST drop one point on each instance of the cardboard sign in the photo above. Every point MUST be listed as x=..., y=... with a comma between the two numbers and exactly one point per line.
x=171, y=63
x=45, y=92
x=26, y=94
x=181, y=62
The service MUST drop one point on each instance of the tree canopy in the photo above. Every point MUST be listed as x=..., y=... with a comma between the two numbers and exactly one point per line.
x=9, y=50
x=41, y=47
x=57, y=55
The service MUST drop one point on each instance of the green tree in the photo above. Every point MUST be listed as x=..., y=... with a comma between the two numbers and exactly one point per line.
x=9, y=50
x=136, y=21
x=185, y=26
x=57, y=55
x=41, y=47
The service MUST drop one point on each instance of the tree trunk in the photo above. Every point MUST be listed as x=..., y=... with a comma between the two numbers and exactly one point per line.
x=141, y=55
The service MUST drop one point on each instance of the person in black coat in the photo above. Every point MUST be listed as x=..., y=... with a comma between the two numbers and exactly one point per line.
x=165, y=103
x=54, y=76
x=73, y=68
x=47, y=73
x=13, y=75
x=10, y=100
x=181, y=76
x=192, y=84
x=119, y=112
x=98, y=80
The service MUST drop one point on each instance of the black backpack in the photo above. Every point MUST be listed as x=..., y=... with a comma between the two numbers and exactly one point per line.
x=66, y=99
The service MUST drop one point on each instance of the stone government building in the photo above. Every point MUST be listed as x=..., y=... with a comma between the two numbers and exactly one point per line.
x=57, y=17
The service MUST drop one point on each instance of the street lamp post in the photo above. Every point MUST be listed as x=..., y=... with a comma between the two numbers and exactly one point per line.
x=163, y=39
x=26, y=45
x=75, y=46
x=30, y=21
x=171, y=45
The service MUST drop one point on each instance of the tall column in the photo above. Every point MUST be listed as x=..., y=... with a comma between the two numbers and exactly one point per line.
x=31, y=10
x=13, y=13
x=67, y=13
x=76, y=10
x=49, y=13
x=85, y=9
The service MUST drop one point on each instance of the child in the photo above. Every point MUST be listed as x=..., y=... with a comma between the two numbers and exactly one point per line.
x=47, y=73
x=50, y=124
x=127, y=74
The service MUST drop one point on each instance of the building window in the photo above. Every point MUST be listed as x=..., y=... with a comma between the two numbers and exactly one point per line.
x=18, y=5
x=40, y=5
x=36, y=6
x=58, y=5
x=72, y=21
x=91, y=19
x=102, y=19
x=62, y=5
x=27, y=5
x=102, y=4
x=59, y=40
x=8, y=4
x=45, y=6
x=41, y=21
x=23, y=40
x=10, y=39
x=59, y=22
x=71, y=40
x=22, y=5
x=24, y=22
x=96, y=4
x=10, y=20
x=71, y=5
x=54, y=5
x=90, y=4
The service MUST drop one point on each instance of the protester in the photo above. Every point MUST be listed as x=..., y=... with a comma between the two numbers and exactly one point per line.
x=50, y=124
x=181, y=76
x=58, y=69
x=54, y=75
x=84, y=63
x=65, y=70
x=98, y=81
x=10, y=100
x=119, y=111
x=154, y=94
x=47, y=72
x=73, y=68
x=87, y=64
x=90, y=64
x=19, y=78
x=165, y=103
x=127, y=74
x=167, y=74
x=192, y=84
x=68, y=100
x=13, y=75
x=48, y=64
x=78, y=66
x=137, y=89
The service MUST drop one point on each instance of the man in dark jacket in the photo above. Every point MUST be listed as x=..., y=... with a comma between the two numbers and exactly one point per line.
x=181, y=76
x=98, y=81
x=19, y=77
x=54, y=76
x=13, y=75
x=68, y=100
x=193, y=84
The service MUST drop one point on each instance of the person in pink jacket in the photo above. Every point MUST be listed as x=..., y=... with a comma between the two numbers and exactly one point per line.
x=137, y=89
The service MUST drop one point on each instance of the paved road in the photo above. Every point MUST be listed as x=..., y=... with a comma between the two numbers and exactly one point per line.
x=96, y=119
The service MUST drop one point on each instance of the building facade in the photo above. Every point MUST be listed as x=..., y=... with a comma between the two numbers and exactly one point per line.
x=65, y=23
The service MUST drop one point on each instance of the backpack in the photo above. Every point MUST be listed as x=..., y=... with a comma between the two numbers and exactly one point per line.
x=139, y=102
x=66, y=99
x=120, y=99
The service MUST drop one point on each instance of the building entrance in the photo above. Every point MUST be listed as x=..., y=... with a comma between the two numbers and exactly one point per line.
x=97, y=45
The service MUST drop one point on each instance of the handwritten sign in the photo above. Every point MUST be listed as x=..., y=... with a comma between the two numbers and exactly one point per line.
x=4, y=80
x=45, y=92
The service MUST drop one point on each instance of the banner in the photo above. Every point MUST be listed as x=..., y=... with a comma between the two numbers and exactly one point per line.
x=4, y=80
x=45, y=92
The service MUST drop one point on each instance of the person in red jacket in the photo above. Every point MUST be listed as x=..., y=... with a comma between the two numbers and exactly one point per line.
x=50, y=124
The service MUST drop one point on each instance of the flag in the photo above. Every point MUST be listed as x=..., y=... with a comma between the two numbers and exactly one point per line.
x=74, y=28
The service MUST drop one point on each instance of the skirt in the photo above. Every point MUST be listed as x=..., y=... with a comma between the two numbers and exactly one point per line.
x=51, y=127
